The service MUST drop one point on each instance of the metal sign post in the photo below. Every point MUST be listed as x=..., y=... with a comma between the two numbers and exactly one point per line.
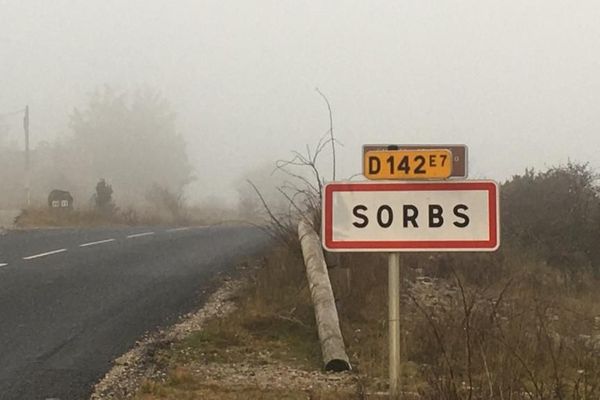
x=394, y=323
x=421, y=211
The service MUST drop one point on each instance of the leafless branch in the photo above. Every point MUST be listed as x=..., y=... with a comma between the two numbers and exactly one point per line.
x=330, y=131
x=467, y=309
x=274, y=220
x=440, y=342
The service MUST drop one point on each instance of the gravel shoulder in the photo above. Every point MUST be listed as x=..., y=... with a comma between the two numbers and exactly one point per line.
x=228, y=349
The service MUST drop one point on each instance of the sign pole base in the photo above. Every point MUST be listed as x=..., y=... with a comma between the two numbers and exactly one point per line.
x=394, y=324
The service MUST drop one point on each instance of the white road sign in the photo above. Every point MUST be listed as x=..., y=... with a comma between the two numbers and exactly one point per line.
x=424, y=216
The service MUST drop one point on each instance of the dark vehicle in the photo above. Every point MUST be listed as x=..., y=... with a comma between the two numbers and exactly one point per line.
x=60, y=199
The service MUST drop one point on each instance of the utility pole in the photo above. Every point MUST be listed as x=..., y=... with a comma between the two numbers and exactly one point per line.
x=27, y=166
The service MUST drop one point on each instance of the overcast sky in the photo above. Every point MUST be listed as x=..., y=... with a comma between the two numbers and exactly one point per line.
x=517, y=81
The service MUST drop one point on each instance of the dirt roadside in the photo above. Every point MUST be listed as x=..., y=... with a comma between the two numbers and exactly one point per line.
x=231, y=348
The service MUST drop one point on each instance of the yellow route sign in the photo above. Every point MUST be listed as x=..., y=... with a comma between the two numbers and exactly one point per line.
x=407, y=164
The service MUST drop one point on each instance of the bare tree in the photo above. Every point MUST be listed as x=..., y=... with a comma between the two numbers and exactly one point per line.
x=303, y=188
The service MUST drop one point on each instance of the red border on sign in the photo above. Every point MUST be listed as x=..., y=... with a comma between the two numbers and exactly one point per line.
x=407, y=245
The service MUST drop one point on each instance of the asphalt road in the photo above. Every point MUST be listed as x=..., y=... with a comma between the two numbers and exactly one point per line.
x=73, y=300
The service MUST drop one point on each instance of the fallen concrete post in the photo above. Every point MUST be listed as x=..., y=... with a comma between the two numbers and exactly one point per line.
x=328, y=325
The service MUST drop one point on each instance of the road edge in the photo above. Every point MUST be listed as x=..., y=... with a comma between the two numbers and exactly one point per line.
x=136, y=365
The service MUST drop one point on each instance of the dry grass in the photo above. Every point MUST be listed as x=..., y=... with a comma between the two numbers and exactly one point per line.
x=272, y=329
x=493, y=326
x=46, y=217
x=475, y=326
x=252, y=338
x=274, y=314
x=216, y=392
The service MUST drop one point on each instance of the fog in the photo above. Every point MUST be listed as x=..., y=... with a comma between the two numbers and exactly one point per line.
x=516, y=81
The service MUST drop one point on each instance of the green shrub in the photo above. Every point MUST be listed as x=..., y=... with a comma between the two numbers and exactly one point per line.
x=555, y=213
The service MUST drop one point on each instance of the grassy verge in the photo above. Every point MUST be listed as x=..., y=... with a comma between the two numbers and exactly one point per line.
x=44, y=217
x=502, y=325
x=267, y=348
x=89, y=218
x=493, y=326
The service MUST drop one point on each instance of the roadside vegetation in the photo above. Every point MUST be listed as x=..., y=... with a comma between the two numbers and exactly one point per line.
x=129, y=138
x=266, y=348
x=161, y=207
x=519, y=323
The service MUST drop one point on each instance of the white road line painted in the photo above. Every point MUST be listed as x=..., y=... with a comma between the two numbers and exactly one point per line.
x=95, y=243
x=177, y=229
x=3, y=264
x=45, y=254
x=140, y=235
